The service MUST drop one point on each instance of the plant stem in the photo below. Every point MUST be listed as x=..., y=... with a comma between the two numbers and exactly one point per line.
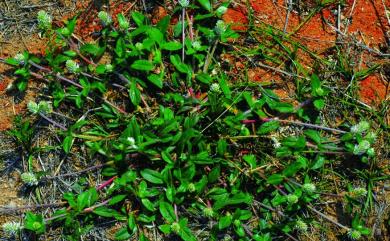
x=298, y=123
x=79, y=172
x=53, y=122
x=183, y=13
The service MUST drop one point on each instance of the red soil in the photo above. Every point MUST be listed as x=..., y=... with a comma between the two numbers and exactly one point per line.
x=373, y=90
x=369, y=25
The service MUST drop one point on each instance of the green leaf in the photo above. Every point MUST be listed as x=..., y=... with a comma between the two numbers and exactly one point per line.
x=165, y=228
x=176, y=61
x=205, y=4
x=251, y=160
x=319, y=104
x=204, y=78
x=155, y=35
x=122, y=234
x=294, y=142
x=67, y=143
x=156, y=80
x=134, y=93
x=293, y=168
x=93, y=49
x=34, y=222
x=314, y=135
x=167, y=212
x=116, y=199
x=275, y=179
x=143, y=65
x=282, y=107
x=12, y=61
x=224, y=222
x=224, y=86
x=318, y=163
x=105, y=212
x=238, y=198
x=120, y=48
x=185, y=233
x=87, y=199
x=171, y=46
x=170, y=194
x=152, y=176
x=163, y=24
x=138, y=18
x=148, y=204
x=268, y=127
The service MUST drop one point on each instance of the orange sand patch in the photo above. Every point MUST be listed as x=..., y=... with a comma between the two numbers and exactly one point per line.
x=372, y=90
x=236, y=18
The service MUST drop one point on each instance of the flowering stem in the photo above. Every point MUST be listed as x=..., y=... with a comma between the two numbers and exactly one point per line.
x=183, y=13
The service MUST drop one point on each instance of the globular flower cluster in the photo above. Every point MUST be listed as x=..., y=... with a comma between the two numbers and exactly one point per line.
x=42, y=107
x=309, y=187
x=362, y=147
x=131, y=143
x=215, y=88
x=358, y=192
x=301, y=226
x=11, y=228
x=72, y=66
x=360, y=127
x=196, y=45
x=44, y=20
x=220, y=27
x=184, y=3
x=105, y=18
x=354, y=234
x=29, y=179
x=20, y=58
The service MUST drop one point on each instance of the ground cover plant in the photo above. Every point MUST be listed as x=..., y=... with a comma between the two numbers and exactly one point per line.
x=186, y=149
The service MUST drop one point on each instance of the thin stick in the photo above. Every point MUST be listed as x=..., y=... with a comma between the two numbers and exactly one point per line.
x=289, y=8
x=227, y=109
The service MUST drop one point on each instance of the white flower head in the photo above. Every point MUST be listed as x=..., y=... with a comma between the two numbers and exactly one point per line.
x=72, y=66
x=33, y=107
x=309, y=187
x=196, y=45
x=45, y=107
x=29, y=178
x=44, y=20
x=360, y=127
x=301, y=226
x=221, y=10
x=131, y=143
x=220, y=27
x=109, y=68
x=105, y=18
x=354, y=234
x=362, y=147
x=20, y=58
x=358, y=192
x=215, y=88
x=11, y=228
x=276, y=143
x=184, y=3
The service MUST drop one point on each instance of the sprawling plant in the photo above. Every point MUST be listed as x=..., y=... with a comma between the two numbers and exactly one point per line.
x=183, y=149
